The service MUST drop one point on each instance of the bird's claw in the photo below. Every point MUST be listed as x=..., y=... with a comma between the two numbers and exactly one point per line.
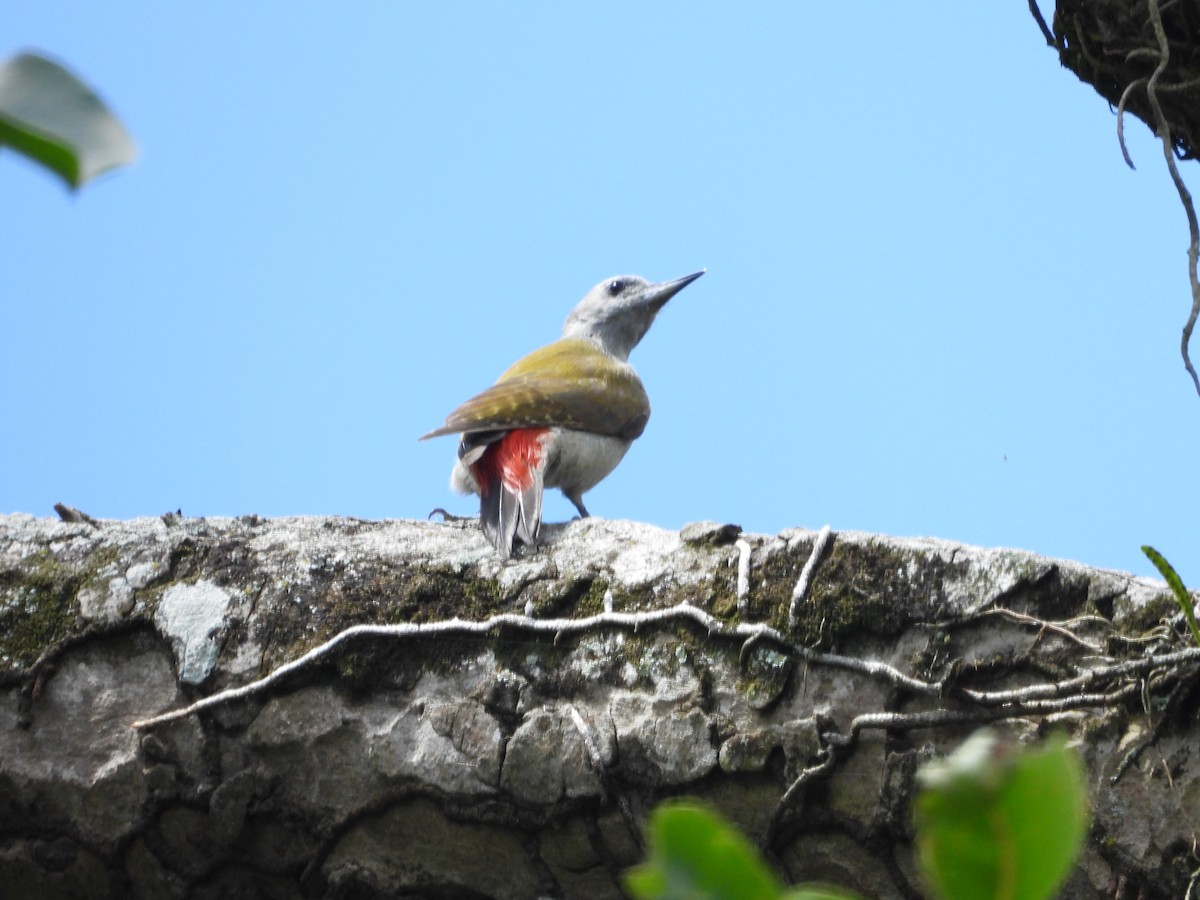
x=448, y=516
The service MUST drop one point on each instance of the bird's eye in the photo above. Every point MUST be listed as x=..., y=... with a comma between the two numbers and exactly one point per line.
x=616, y=287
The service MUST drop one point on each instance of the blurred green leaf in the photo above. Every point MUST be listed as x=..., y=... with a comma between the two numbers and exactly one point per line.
x=696, y=855
x=1000, y=822
x=1182, y=597
x=52, y=117
x=817, y=892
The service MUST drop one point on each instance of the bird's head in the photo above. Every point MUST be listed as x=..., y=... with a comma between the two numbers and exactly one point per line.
x=617, y=313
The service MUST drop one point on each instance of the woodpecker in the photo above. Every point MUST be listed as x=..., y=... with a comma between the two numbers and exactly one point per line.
x=561, y=417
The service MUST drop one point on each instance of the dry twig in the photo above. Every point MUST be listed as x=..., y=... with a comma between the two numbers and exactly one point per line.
x=1046, y=32
x=1040, y=698
x=800, y=591
x=1164, y=134
x=743, y=577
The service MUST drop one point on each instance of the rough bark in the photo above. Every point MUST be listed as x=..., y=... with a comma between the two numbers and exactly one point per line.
x=516, y=761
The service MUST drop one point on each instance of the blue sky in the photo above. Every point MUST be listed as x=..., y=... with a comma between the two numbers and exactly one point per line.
x=937, y=301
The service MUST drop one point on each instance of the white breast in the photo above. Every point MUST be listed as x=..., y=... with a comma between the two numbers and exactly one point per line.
x=578, y=460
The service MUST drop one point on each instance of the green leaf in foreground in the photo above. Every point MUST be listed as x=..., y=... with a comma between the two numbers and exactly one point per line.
x=1182, y=597
x=1000, y=822
x=818, y=892
x=695, y=854
x=50, y=116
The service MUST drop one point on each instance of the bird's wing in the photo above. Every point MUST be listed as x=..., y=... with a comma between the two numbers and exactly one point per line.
x=568, y=384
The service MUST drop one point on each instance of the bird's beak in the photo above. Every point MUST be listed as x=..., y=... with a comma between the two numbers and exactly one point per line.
x=658, y=294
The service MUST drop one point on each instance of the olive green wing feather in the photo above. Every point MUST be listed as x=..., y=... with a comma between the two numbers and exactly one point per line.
x=568, y=384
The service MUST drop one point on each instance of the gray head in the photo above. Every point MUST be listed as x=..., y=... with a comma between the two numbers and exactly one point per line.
x=618, y=312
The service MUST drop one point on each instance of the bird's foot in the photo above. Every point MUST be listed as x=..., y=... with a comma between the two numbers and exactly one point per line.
x=448, y=516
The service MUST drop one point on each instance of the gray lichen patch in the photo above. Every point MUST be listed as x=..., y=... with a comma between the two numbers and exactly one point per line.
x=191, y=615
x=764, y=676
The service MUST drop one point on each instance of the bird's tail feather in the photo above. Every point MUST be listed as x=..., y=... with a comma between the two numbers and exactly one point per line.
x=509, y=474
